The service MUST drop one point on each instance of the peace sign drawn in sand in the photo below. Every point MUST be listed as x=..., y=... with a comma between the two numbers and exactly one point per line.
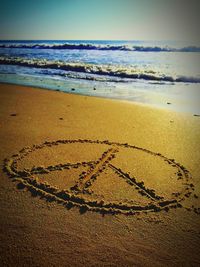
x=85, y=180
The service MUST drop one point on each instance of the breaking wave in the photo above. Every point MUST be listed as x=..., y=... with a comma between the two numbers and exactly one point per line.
x=100, y=70
x=137, y=48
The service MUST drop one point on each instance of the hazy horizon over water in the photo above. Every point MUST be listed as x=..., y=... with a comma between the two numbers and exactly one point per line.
x=150, y=72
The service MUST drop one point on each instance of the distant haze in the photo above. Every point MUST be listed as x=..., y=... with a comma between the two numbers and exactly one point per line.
x=100, y=20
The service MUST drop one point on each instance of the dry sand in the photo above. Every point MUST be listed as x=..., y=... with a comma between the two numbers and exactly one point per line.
x=96, y=182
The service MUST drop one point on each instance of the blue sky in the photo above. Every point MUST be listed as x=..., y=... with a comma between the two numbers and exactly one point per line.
x=100, y=19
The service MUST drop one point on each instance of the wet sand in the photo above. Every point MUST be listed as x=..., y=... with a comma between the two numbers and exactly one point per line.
x=96, y=182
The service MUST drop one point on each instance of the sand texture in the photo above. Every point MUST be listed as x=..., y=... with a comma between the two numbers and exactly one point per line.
x=96, y=182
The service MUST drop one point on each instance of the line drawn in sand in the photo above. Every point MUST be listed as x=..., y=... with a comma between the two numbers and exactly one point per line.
x=81, y=196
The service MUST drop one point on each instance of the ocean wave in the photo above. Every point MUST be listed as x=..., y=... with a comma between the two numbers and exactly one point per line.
x=101, y=70
x=137, y=48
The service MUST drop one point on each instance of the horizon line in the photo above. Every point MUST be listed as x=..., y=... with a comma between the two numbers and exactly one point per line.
x=94, y=40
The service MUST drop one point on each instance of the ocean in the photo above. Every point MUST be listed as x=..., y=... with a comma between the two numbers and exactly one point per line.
x=164, y=74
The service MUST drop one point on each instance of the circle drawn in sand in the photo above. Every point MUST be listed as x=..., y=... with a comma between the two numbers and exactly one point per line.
x=80, y=195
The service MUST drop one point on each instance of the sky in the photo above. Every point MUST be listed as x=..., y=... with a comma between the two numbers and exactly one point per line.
x=100, y=20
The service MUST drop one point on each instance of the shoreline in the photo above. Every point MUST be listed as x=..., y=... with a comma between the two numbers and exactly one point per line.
x=168, y=106
x=128, y=156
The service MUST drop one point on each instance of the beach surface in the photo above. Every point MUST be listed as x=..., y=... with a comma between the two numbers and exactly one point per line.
x=88, y=181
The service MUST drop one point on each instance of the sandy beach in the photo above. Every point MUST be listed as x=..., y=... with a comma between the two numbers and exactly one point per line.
x=88, y=181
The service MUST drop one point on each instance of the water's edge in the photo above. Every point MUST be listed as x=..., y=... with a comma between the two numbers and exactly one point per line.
x=70, y=90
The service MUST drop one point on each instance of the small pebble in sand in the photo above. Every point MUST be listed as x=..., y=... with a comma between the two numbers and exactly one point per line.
x=168, y=103
x=61, y=119
x=13, y=114
x=171, y=121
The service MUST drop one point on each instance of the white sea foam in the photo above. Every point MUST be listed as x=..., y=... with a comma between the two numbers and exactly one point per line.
x=128, y=72
x=88, y=46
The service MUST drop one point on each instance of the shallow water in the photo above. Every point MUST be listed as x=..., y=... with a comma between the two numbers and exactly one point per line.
x=163, y=74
